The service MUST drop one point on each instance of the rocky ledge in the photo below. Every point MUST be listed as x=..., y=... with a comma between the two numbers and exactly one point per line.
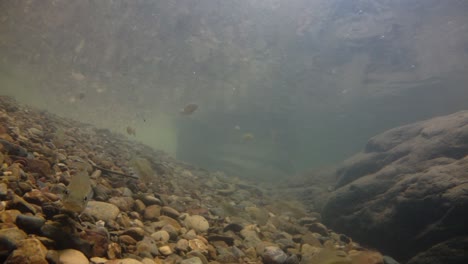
x=147, y=207
x=407, y=192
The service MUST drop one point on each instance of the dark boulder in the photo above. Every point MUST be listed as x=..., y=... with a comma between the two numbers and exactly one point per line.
x=408, y=190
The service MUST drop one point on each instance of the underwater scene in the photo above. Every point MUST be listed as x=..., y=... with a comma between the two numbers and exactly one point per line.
x=234, y=131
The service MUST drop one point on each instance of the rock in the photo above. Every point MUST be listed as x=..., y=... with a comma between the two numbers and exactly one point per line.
x=30, y=224
x=114, y=251
x=165, y=250
x=9, y=216
x=182, y=245
x=19, y=203
x=64, y=239
x=171, y=212
x=124, y=261
x=152, y=212
x=273, y=255
x=160, y=236
x=72, y=256
x=98, y=260
x=147, y=248
x=10, y=238
x=197, y=222
x=417, y=171
x=450, y=251
x=127, y=240
x=233, y=227
x=197, y=245
x=227, y=239
x=136, y=233
x=29, y=251
x=125, y=204
x=318, y=228
x=139, y=206
x=102, y=211
x=3, y=188
x=193, y=260
x=99, y=238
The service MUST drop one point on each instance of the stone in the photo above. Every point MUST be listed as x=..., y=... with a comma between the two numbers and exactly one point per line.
x=192, y=260
x=197, y=222
x=169, y=211
x=450, y=251
x=139, y=206
x=10, y=238
x=30, y=224
x=318, y=228
x=147, y=248
x=102, y=211
x=274, y=255
x=72, y=256
x=124, y=261
x=416, y=171
x=182, y=245
x=152, y=212
x=29, y=251
x=136, y=233
x=125, y=204
x=128, y=240
x=3, y=189
x=9, y=216
x=165, y=250
x=160, y=236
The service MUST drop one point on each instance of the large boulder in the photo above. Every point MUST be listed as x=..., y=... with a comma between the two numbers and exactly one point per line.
x=408, y=190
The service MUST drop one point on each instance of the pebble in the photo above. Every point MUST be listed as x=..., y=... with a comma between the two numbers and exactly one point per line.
x=3, y=189
x=169, y=211
x=273, y=255
x=102, y=210
x=193, y=260
x=72, y=256
x=136, y=233
x=28, y=251
x=10, y=237
x=197, y=222
x=160, y=236
x=152, y=212
x=31, y=224
x=125, y=203
x=165, y=250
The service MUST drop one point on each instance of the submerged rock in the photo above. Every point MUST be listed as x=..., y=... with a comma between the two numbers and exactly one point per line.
x=406, y=192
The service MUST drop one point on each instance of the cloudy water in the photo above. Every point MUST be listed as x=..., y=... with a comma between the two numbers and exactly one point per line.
x=265, y=90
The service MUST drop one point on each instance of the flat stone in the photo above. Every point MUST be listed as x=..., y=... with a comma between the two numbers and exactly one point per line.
x=152, y=212
x=10, y=237
x=160, y=236
x=102, y=211
x=31, y=224
x=273, y=255
x=197, y=222
x=169, y=211
x=29, y=251
x=72, y=256
x=193, y=260
x=125, y=204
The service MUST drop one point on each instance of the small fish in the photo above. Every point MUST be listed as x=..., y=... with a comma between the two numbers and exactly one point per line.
x=78, y=192
x=189, y=109
x=237, y=127
x=247, y=137
x=131, y=131
x=81, y=96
